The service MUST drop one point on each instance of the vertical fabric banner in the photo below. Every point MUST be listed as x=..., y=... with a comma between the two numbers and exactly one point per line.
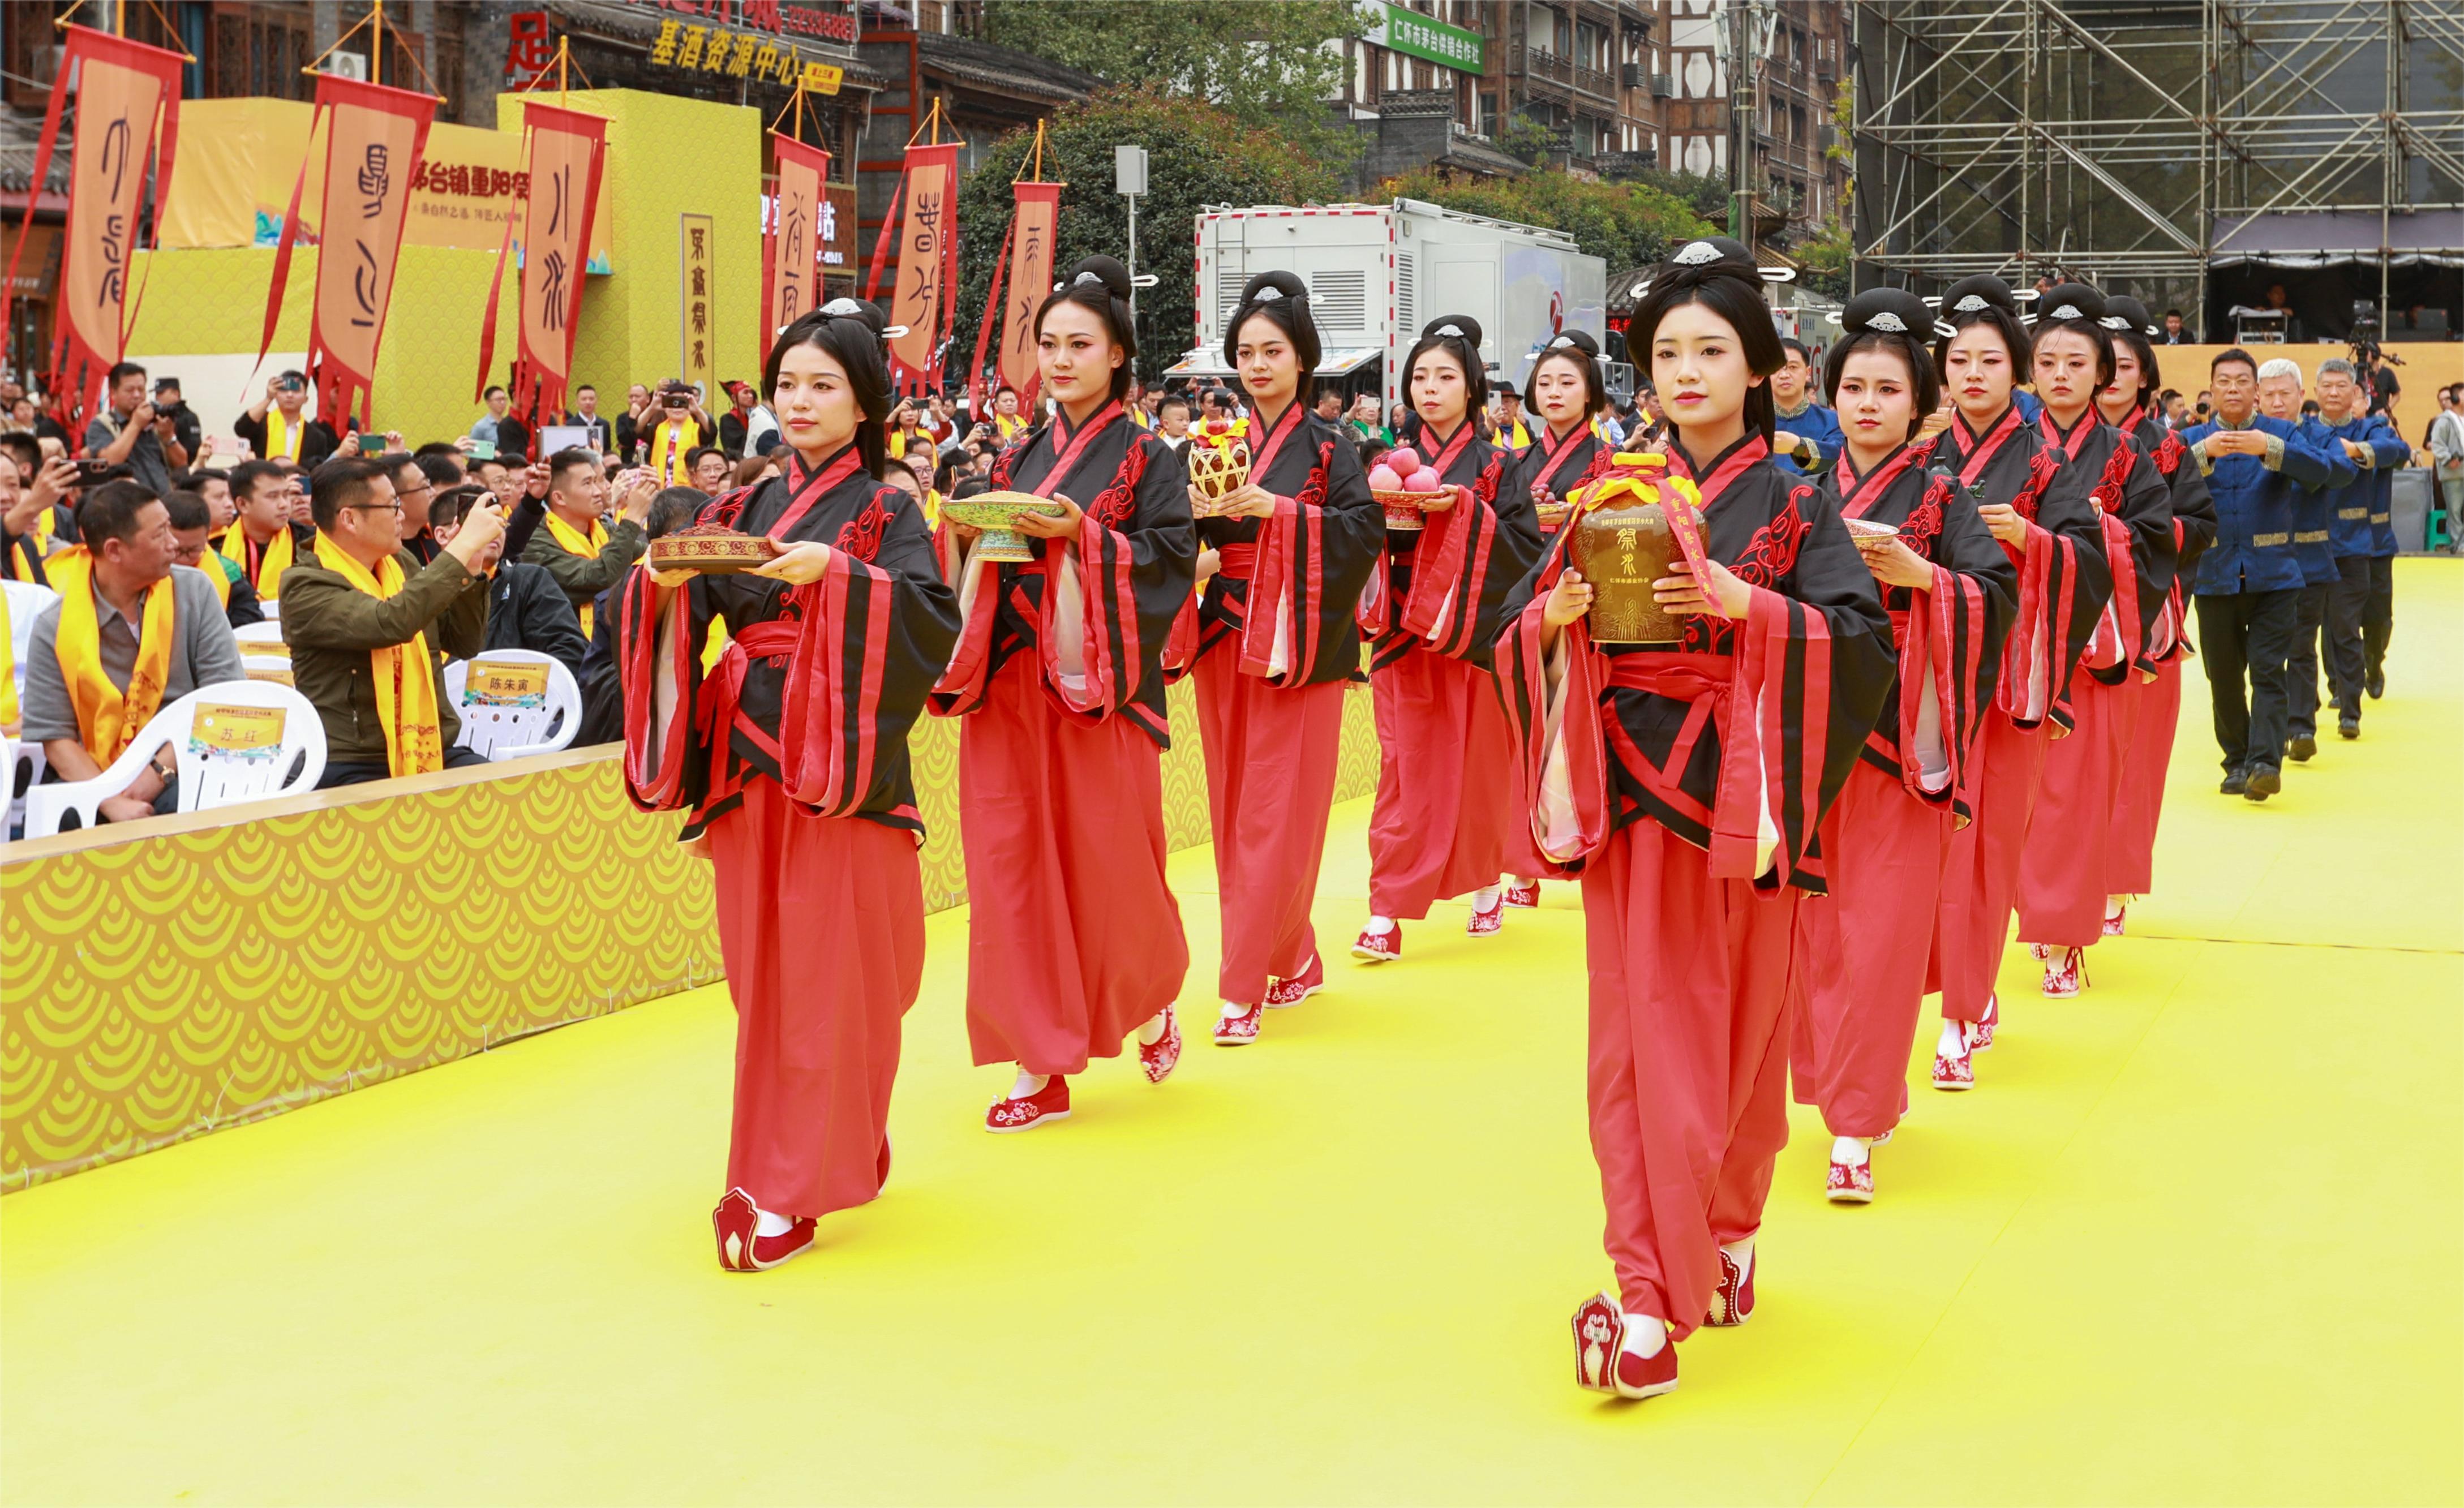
x=1030, y=280
x=927, y=241
x=791, y=260
x=375, y=140
x=693, y=334
x=568, y=151
x=126, y=89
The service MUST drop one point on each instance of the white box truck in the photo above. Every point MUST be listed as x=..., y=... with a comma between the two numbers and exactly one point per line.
x=1377, y=273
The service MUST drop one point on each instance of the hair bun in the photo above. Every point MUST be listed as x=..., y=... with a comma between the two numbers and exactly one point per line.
x=1975, y=295
x=1099, y=268
x=1887, y=310
x=1572, y=341
x=1268, y=287
x=2071, y=302
x=1457, y=327
x=2122, y=311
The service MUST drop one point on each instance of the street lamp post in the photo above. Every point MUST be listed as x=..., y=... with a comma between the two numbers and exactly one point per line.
x=1130, y=181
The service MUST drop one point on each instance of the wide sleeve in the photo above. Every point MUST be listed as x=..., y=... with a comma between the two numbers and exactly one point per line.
x=976, y=586
x=1554, y=701
x=1314, y=556
x=1468, y=562
x=1111, y=593
x=658, y=637
x=872, y=637
x=2064, y=584
x=2135, y=511
x=1951, y=650
x=2193, y=508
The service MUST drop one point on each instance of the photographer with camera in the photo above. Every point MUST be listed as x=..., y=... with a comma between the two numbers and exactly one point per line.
x=682, y=427
x=277, y=429
x=131, y=432
x=185, y=424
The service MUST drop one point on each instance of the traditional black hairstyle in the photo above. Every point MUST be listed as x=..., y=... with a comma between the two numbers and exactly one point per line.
x=1102, y=285
x=1576, y=349
x=851, y=332
x=1282, y=301
x=1982, y=300
x=1459, y=337
x=2126, y=319
x=1720, y=275
x=674, y=507
x=2080, y=310
x=1886, y=319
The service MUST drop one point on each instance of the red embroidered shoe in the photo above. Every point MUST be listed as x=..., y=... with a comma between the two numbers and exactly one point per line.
x=1603, y=1365
x=2115, y=919
x=1239, y=1031
x=1732, y=1302
x=1284, y=993
x=1051, y=1102
x=1161, y=1056
x=1379, y=947
x=1849, y=1183
x=1980, y=1031
x=1523, y=896
x=2038, y=952
x=1953, y=1073
x=1487, y=923
x=2064, y=973
x=740, y=1250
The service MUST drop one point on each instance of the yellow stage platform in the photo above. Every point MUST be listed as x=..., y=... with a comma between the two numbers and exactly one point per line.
x=2195, y=1238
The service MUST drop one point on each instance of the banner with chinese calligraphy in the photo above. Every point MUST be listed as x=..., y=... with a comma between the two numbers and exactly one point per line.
x=790, y=255
x=376, y=138
x=697, y=359
x=126, y=91
x=1030, y=278
x=568, y=151
x=928, y=244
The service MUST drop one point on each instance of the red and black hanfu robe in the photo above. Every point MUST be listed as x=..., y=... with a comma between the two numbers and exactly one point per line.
x=2132, y=852
x=1686, y=786
x=1547, y=470
x=1278, y=645
x=1860, y=958
x=2063, y=584
x=1073, y=936
x=2069, y=854
x=1443, y=823
x=790, y=755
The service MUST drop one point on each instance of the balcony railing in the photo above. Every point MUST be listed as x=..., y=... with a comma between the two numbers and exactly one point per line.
x=1557, y=69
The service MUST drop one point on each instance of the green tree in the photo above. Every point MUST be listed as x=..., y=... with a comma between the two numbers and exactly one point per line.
x=1624, y=224
x=1823, y=254
x=1705, y=195
x=1267, y=64
x=1196, y=154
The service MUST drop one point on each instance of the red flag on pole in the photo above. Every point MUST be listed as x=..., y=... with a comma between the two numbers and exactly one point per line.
x=791, y=283
x=1030, y=280
x=566, y=152
x=927, y=243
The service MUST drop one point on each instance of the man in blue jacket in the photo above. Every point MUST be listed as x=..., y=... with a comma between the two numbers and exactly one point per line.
x=1809, y=437
x=2361, y=529
x=2279, y=397
x=2249, y=582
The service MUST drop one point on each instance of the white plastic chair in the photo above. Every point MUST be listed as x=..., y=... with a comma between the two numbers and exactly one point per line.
x=267, y=667
x=26, y=767
x=271, y=608
x=28, y=601
x=513, y=713
x=222, y=760
x=254, y=637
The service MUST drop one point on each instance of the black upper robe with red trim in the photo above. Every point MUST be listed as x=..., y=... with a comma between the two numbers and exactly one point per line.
x=1736, y=739
x=819, y=683
x=1444, y=588
x=1538, y=472
x=2194, y=523
x=2064, y=580
x=2134, y=506
x=1312, y=558
x=1135, y=560
x=1948, y=635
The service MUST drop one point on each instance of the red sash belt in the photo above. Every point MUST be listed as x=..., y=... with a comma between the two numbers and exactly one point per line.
x=724, y=685
x=1674, y=675
x=1236, y=562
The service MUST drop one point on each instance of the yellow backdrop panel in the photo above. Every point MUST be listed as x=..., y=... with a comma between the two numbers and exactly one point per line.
x=160, y=988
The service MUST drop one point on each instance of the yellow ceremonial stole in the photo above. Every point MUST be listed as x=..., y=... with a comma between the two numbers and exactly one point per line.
x=1514, y=436
x=1141, y=418
x=108, y=719
x=931, y=511
x=670, y=444
x=9, y=717
x=270, y=564
x=573, y=541
x=406, y=673
x=1007, y=425
x=280, y=439
x=218, y=571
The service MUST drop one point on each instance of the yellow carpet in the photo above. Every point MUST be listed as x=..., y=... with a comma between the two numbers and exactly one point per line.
x=2196, y=1237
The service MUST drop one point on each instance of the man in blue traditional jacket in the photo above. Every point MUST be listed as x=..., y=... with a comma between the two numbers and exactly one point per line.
x=2361, y=607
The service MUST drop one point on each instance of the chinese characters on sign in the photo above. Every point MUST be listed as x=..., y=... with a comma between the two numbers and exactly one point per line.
x=833, y=24
x=1407, y=32
x=924, y=245
x=798, y=211
x=566, y=157
x=739, y=55
x=1030, y=275
x=376, y=138
x=696, y=338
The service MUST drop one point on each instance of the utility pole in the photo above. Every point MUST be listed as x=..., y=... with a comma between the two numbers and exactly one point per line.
x=1740, y=39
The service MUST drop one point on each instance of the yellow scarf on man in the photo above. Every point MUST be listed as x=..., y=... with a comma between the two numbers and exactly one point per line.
x=1005, y=425
x=671, y=443
x=281, y=441
x=8, y=716
x=406, y=673
x=270, y=567
x=575, y=543
x=217, y=570
x=108, y=719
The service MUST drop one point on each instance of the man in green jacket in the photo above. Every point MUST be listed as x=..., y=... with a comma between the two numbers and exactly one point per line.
x=334, y=627
x=586, y=557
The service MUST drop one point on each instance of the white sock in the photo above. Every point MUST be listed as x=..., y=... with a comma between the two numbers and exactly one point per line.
x=2114, y=904
x=1954, y=1039
x=1233, y=1010
x=764, y=1223
x=1028, y=1086
x=1521, y=883
x=1152, y=1031
x=2058, y=956
x=1742, y=1253
x=1645, y=1333
x=1851, y=1150
x=1484, y=900
x=1379, y=925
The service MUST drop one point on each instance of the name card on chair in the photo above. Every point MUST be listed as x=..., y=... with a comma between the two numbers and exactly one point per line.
x=505, y=683
x=239, y=732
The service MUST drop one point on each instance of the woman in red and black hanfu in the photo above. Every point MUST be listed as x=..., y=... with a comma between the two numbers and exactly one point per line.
x=1284, y=559
x=2069, y=854
x=2128, y=404
x=2038, y=509
x=1444, y=822
x=1948, y=588
x=1074, y=939
x=789, y=754
x=1685, y=783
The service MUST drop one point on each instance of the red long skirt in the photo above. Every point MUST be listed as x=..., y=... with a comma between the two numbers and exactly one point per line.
x=1689, y=986
x=1271, y=768
x=2132, y=854
x=1860, y=954
x=2069, y=856
x=1980, y=883
x=1443, y=820
x=1073, y=938
x=820, y=924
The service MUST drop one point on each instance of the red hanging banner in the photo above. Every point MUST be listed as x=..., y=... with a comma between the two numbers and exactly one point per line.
x=927, y=247
x=566, y=152
x=1030, y=280
x=791, y=283
x=125, y=91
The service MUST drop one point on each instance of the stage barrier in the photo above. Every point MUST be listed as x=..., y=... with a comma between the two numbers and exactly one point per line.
x=163, y=979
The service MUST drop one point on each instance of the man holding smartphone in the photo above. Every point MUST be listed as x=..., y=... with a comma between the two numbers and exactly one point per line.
x=277, y=427
x=132, y=433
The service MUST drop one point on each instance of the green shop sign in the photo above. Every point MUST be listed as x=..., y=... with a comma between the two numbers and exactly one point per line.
x=1416, y=36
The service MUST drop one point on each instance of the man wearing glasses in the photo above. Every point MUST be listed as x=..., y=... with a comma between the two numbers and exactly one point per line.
x=412, y=489
x=366, y=625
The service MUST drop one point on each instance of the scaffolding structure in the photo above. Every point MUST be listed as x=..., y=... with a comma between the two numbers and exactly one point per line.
x=2119, y=140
